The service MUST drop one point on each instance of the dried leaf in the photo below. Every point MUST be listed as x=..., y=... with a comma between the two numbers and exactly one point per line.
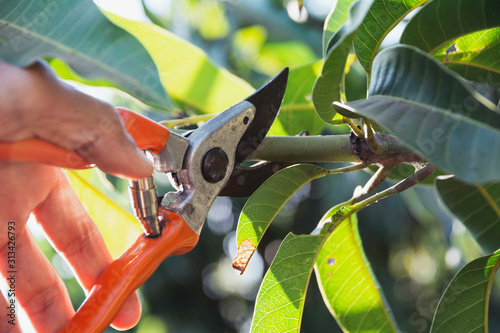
x=245, y=252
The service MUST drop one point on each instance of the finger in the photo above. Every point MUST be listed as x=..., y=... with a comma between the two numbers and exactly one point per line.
x=94, y=130
x=75, y=235
x=112, y=149
x=10, y=323
x=62, y=115
x=39, y=290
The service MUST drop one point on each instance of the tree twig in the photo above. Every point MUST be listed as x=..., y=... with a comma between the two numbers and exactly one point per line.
x=377, y=179
x=405, y=184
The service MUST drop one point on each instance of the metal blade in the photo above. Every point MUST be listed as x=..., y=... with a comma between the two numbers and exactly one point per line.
x=267, y=101
x=246, y=180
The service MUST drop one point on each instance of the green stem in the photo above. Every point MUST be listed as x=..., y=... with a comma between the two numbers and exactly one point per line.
x=405, y=184
x=329, y=148
x=351, y=207
x=371, y=141
x=373, y=182
x=349, y=168
x=353, y=127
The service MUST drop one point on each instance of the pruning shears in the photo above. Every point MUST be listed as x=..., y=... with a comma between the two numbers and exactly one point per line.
x=203, y=164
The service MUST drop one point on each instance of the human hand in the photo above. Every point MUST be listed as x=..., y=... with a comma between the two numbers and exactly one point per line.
x=37, y=105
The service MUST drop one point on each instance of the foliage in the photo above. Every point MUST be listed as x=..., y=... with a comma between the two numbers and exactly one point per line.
x=432, y=100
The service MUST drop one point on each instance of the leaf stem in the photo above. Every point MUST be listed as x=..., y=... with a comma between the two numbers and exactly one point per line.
x=373, y=182
x=349, y=168
x=405, y=184
x=343, y=211
x=354, y=127
x=370, y=138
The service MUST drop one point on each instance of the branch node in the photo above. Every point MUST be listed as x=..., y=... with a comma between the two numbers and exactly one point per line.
x=371, y=140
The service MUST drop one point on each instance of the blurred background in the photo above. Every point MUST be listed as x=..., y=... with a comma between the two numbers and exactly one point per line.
x=414, y=245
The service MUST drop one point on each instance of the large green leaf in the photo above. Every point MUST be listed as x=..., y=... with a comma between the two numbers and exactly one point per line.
x=337, y=16
x=435, y=113
x=280, y=302
x=384, y=15
x=464, y=305
x=266, y=202
x=185, y=70
x=474, y=56
x=349, y=287
x=297, y=111
x=327, y=86
x=443, y=20
x=77, y=32
x=118, y=227
x=477, y=206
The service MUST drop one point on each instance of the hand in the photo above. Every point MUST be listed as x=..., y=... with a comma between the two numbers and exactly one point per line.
x=36, y=104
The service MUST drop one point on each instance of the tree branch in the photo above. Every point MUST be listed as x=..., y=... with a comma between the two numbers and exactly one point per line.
x=333, y=148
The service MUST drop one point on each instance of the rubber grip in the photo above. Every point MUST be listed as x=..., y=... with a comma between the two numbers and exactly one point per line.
x=129, y=271
x=147, y=134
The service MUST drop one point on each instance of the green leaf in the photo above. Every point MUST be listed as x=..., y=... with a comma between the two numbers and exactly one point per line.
x=384, y=15
x=187, y=72
x=281, y=297
x=474, y=56
x=327, y=86
x=348, y=285
x=77, y=32
x=464, y=305
x=297, y=112
x=477, y=206
x=266, y=202
x=435, y=113
x=443, y=20
x=337, y=16
x=118, y=227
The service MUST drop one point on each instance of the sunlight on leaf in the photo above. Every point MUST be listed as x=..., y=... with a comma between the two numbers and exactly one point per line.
x=349, y=288
x=280, y=302
x=118, y=227
x=474, y=56
x=185, y=70
x=94, y=47
x=327, y=86
x=443, y=20
x=477, y=206
x=334, y=20
x=384, y=15
x=297, y=112
x=281, y=297
x=465, y=303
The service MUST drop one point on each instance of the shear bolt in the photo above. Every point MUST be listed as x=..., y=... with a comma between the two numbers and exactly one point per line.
x=214, y=165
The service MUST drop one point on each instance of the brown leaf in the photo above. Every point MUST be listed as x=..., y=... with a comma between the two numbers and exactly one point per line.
x=245, y=252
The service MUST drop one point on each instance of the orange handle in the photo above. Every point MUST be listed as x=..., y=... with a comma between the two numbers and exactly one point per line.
x=148, y=135
x=129, y=271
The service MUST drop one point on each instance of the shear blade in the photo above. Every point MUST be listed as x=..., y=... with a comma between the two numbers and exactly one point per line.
x=246, y=180
x=267, y=101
